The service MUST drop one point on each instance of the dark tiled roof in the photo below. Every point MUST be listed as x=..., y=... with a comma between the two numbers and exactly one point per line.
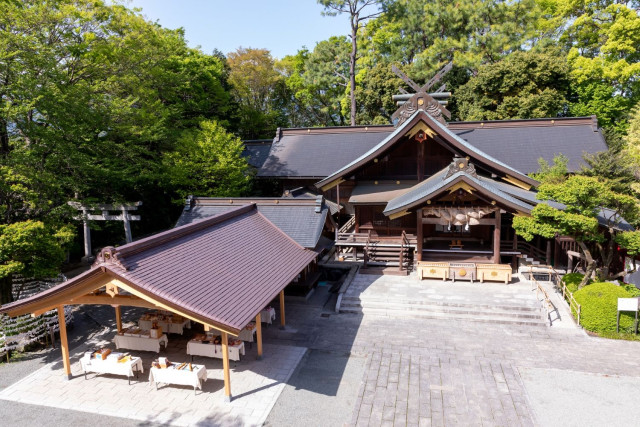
x=443, y=132
x=317, y=153
x=522, y=146
x=222, y=270
x=305, y=193
x=438, y=182
x=302, y=219
x=256, y=152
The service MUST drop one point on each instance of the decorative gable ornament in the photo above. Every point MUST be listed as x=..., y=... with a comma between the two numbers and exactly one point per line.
x=421, y=101
x=461, y=164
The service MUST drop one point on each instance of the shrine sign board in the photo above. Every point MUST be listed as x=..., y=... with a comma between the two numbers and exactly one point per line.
x=628, y=304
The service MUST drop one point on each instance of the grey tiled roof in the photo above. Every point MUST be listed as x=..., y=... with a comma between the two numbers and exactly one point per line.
x=522, y=146
x=256, y=152
x=301, y=222
x=318, y=155
x=437, y=182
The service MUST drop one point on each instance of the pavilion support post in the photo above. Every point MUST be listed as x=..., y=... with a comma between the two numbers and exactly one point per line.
x=118, y=318
x=420, y=230
x=64, y=343
x=225, y=367
x=496, y=238
x=514, y=258
x=282, y=322
x=259, y=334
x=548, y=253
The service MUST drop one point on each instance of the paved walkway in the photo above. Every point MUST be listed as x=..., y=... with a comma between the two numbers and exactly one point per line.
x=447, y=372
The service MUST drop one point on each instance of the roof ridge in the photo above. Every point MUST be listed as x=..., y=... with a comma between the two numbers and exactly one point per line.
x=178, y=232
x=224, y=201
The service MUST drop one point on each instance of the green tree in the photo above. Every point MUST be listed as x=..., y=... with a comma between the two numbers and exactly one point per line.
x=31, y=249
x=556, y=173
x=584, y=198
x=632, y=140
x=359, y=11
x=522, y=85
x=257, y=87
x=209, y=162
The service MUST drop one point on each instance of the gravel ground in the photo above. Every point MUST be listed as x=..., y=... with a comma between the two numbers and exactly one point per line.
x=86, y=323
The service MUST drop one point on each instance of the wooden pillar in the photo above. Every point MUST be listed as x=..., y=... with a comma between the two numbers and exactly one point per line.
x=282, y=323
x=420, y=231
x=548, y=253
x=514, y=258
x=118, y=318
x=496, y=238
x=225, y=367
x=420, y=160
x=259, y=334
x=64, y=344
x=556, y=253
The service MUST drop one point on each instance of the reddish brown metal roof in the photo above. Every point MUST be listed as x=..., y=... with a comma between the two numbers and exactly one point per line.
x=223, y=269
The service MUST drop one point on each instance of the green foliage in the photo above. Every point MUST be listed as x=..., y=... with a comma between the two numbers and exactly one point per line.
x=523, y=85
x=209, y=162
x=632, y=140
x=555, y=173
x=599, y=303
x=32, y=249
x=630, y=240
x=572, y=280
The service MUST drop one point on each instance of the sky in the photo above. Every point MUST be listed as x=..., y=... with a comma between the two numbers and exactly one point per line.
x=282, y=26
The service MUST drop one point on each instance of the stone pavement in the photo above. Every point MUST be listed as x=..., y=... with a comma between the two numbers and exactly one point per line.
x=437, y=372
x=255, y=385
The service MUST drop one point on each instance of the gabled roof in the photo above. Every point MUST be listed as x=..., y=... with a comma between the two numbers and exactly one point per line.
x=445, y=133
x=221, y=271
x=302, y=218
x=315, y=153
x=440, y=182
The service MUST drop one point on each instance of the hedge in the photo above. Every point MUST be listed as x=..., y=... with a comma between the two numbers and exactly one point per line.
x=572, y=280
x=599, y=303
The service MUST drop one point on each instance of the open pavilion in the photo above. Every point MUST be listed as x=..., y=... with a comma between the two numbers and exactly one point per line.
x=220, y=272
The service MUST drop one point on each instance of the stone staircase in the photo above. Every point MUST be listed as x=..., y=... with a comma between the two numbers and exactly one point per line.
x=477, y=302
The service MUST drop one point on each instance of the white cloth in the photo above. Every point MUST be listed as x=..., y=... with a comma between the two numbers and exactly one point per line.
x=143, y=343
x=247, y=333
x=112, y=367
x=196, y=348
x=268, y=315
x=171, y=375
x=168, y=327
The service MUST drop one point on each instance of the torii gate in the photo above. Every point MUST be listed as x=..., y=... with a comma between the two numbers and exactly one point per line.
x=125, y=217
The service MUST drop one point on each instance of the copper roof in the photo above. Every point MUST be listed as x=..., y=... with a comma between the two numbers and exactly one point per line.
x=222, y=270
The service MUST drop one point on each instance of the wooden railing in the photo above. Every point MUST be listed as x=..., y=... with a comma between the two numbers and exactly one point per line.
x=556, y=279
x=348, y=225
x=549, y=307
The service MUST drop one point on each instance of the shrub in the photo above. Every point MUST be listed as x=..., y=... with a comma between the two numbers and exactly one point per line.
x=633, y=291
x=572, y=280
x=599, y=303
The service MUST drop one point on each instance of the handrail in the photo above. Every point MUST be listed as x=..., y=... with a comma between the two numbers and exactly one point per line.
x=538, y=289
x=347, y=225
x=556, y=279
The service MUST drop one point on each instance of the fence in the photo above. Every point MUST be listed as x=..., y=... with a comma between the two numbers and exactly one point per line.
x=555, y=278
x=17, y=332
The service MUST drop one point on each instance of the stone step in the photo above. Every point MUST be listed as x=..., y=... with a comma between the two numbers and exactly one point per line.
x=539, y=322
x=478, y=312
x=523, y=306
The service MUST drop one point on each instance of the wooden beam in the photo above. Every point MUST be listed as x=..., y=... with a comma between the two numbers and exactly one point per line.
x=64, y=343
x=118, y=318
x=482, y=221
x=259, y=334
x=163, y=306
x=126, y=300
x=282, y=322
x=496, y=238
x=420, y=230
x=225, y=367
